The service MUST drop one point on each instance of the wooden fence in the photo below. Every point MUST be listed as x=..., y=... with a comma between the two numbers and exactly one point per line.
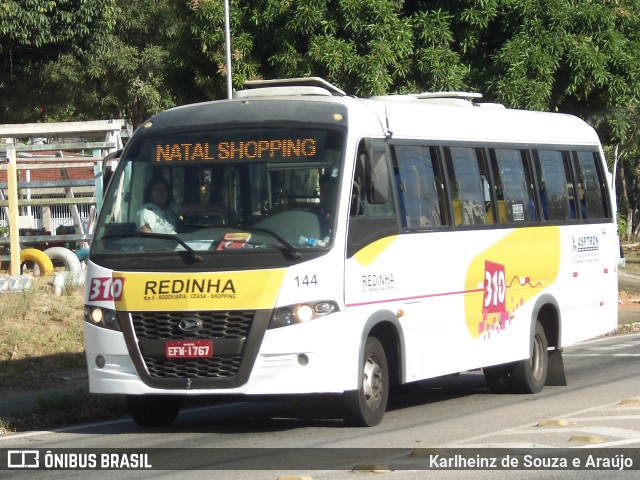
x=61, y=155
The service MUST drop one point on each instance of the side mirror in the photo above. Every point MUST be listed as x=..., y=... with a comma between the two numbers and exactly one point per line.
x=108, y=167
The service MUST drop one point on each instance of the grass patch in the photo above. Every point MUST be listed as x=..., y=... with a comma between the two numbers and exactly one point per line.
x=632, y=259
x=629, y=328
x=59, y=410
x=42, y=347
x=41, y=337
x=4, y=426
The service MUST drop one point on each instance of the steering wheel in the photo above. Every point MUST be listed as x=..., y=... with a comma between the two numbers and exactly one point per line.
x=215, y=216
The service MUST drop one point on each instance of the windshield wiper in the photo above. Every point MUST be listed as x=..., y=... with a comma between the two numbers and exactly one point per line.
x=285, y=245
x=193, y=255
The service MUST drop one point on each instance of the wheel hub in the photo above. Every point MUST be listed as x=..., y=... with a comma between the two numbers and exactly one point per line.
x=372, y=383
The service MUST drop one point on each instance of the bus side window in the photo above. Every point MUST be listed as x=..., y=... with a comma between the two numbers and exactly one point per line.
x=591, y=186
x=466, y=186
x=439, y=184
x=572, y=187
x=555, y=185
x=420, y=190
x=370, y=190
x=371, y=205
x=514, y=186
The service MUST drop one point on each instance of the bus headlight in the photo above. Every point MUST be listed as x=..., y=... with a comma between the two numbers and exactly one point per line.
x=110, y=319
x=300, y=313
x=101, y=317
x=281, y=318
x=304, y=313
x=93, y=315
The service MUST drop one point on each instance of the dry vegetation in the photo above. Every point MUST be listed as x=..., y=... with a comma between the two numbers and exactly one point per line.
x=632, y=258
x=41, y=348
x=41, y=339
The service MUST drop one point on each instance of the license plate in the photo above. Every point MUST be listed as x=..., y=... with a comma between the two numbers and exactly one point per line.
x=189, y=349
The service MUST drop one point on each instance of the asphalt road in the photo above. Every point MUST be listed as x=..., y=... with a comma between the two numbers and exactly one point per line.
x=629, y=282
x=598, y=411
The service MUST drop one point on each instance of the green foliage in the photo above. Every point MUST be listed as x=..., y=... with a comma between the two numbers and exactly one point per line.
x=89, y=59
x=5, y=426
x=41, y=23
x=95, y=59
x=365, y=47
x=575, y=56
x=34, y=33
x=623, y=228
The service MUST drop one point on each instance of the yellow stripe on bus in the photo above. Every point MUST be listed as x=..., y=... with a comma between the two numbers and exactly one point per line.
x=368, y=254
x=255, y=289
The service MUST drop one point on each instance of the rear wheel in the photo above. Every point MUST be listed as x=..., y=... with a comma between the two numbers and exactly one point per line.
x=530, y=375
x=153, y=410
x=366, y=406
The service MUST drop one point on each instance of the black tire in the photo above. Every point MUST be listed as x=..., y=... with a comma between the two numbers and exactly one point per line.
x=153, y=410
x=366, y=406
x=530, y=375
x=498, y=378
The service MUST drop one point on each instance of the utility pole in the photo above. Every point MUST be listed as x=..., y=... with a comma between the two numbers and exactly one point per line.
x=227, y=34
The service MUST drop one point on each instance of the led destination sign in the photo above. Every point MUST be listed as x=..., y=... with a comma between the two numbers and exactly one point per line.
x=241, y=150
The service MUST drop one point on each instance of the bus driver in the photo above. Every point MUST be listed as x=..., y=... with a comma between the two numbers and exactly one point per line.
x=161, y=214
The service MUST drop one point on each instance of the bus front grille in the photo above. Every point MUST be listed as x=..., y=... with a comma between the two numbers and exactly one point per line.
x=166, y=325
x=236, y=336
x=201, y=368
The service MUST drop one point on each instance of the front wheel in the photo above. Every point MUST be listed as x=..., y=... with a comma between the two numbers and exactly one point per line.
x=153, y=410
x=366, y=406
x=530, y=375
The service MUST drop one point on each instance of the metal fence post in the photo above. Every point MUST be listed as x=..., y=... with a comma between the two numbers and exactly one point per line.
x=14, y=234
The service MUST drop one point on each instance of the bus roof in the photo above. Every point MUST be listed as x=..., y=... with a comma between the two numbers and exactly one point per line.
x=458, y=122
x=435, y=116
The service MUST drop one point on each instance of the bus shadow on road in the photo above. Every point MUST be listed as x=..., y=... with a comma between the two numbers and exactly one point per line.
x=325, y=411
x=280, y=414
x=436, y=390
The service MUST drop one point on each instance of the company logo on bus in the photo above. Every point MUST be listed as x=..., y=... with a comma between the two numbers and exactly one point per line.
x=586, y=243
x=190, y=324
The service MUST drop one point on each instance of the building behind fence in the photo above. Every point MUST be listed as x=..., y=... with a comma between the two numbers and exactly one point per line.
x=60, y=216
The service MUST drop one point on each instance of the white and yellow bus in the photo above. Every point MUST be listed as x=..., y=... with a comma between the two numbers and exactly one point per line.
x=322, y=243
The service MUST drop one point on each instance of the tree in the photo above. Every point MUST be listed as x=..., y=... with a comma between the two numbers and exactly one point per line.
x=34, y=33
x=75, y=59
x=365, y=47
x=121, y=59
x=579, y=57
x=135, y=70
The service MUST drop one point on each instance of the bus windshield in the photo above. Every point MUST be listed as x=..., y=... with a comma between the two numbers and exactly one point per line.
x=223, y=190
